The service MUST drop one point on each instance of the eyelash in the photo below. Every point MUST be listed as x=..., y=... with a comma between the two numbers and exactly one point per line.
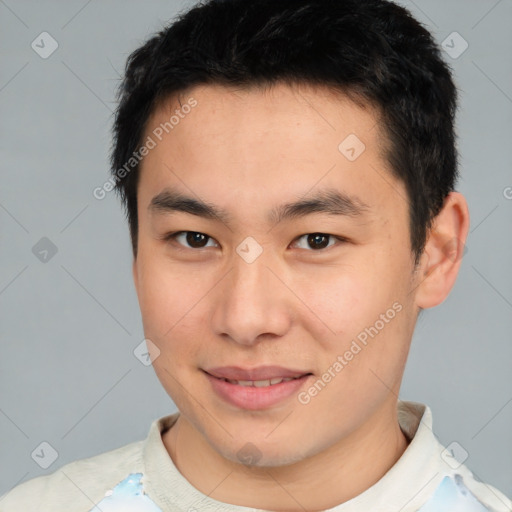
x=172, y=237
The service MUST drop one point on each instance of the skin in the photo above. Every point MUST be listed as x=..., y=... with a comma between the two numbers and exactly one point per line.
x=296, y=306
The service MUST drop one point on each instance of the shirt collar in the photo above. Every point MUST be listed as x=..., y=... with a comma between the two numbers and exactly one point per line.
x=420, y=466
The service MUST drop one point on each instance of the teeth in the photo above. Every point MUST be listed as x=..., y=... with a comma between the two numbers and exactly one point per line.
x=260, y=383
x=242, y=382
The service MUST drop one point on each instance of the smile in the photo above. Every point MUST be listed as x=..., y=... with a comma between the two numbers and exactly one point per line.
x=257, y=394
x=261, y=383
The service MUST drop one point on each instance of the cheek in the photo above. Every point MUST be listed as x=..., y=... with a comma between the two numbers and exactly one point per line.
x=362, y=309
x=167, y=310
x=339, y=298
x=166, y=297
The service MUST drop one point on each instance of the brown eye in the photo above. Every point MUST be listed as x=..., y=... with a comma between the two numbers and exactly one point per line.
x=190, y=239
x=317, y=241
x=196, y=240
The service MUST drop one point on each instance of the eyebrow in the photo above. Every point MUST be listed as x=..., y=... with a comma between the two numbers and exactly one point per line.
x=327, y=201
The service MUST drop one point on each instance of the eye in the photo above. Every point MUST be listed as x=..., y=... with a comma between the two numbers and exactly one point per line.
x=195, y=239
x=319, y=241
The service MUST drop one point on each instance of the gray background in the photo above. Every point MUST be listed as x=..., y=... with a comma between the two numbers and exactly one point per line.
x=68, y=326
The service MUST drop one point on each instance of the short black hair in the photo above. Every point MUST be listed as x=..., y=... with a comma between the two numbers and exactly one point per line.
x=373, y=51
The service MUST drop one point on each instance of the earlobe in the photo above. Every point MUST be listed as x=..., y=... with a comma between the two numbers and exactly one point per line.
x=443, y=253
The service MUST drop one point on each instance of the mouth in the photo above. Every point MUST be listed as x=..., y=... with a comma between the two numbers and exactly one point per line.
x=262, y=383
x=256, y=374
x=256, y=389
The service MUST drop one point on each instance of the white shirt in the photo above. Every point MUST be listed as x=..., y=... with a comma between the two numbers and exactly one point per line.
x=141, y=477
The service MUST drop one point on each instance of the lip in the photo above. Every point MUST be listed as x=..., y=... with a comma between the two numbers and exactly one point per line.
x=257, y=398
x=259, y=373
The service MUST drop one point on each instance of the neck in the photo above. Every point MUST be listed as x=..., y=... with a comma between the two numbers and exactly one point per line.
x=337, y=474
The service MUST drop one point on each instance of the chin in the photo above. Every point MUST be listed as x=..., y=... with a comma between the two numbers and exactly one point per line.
x=261, y=454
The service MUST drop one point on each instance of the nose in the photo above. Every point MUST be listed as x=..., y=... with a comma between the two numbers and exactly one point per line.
x=252, y=303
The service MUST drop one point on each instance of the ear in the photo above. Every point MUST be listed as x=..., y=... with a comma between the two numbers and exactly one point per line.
x=444, y=249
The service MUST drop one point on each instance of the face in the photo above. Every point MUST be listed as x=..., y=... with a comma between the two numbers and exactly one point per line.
x=269, y=236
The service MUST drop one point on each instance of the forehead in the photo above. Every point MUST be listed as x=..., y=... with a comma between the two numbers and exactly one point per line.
x=258, y=106
x=265, y=143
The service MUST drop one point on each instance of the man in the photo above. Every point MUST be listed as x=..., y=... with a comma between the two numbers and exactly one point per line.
x=288, y=173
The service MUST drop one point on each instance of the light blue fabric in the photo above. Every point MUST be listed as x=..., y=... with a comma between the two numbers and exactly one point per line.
x=127, y=496
x=453, y=496
x=450, y=496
